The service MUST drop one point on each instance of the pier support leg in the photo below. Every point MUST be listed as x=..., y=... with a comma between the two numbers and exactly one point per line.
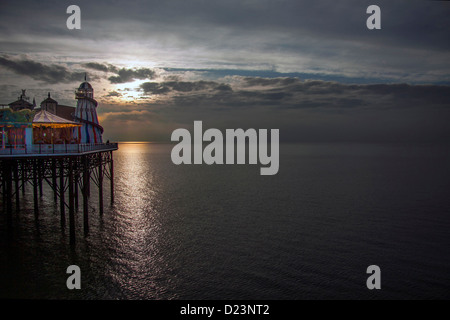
x=16, y=182
x=40, y=173
x=61, y=192
x=24, y=177
x=71, y=203
x=8, y=178
x=100, y=183
x=35, y=189
x=85, y=194
x=89, y=179
x=111, y=173
x=54, y=181
x=76, y=179
x=4, y=184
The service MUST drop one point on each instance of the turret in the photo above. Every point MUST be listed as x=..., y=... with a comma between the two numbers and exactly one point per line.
x=86, y=114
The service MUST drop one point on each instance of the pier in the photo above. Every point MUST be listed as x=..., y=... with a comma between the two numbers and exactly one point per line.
x=68, y=170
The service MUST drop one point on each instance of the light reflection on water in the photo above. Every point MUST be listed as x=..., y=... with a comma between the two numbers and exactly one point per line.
x=225, y=232
x=137, y=226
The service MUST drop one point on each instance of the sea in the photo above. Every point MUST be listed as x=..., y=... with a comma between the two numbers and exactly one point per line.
x=221, y=232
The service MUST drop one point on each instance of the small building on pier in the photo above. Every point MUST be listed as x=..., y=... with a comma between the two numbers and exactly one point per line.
x=22, y=103
x=16, y=128
x=54, y=107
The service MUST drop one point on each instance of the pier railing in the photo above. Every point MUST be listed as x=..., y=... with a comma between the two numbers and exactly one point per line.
x=44, y=149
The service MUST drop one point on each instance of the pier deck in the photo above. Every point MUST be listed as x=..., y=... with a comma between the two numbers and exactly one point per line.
x=39, y=150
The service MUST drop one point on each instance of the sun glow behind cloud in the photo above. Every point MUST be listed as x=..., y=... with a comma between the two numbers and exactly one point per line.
x=130, y=91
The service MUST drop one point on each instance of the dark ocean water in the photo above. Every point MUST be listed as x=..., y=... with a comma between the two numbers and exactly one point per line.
x=226, y=232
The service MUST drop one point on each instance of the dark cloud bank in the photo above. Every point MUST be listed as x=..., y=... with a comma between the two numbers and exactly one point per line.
x=56, y=73
x=123, y=75
x=295, y=93
x=306, y=111
x=49, y=73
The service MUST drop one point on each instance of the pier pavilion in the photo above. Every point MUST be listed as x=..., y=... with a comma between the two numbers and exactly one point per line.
x=51, y=129
x=40, y=147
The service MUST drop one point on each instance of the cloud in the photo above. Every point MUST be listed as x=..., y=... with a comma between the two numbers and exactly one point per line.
x=123, y=75
x=114, y=94
x=154, y=88
x=127, y=75
x=258, y=81
x=52, y=73
x=183, y=86
x=101, y=67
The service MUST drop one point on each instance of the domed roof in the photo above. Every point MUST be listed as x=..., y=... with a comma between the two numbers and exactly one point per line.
x=85, y=85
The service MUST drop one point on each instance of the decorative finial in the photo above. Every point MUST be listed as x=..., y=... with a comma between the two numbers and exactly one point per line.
x=49, y=94
x=85, y=76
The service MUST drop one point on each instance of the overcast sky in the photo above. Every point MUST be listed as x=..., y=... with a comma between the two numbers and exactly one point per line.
x=309, y=68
